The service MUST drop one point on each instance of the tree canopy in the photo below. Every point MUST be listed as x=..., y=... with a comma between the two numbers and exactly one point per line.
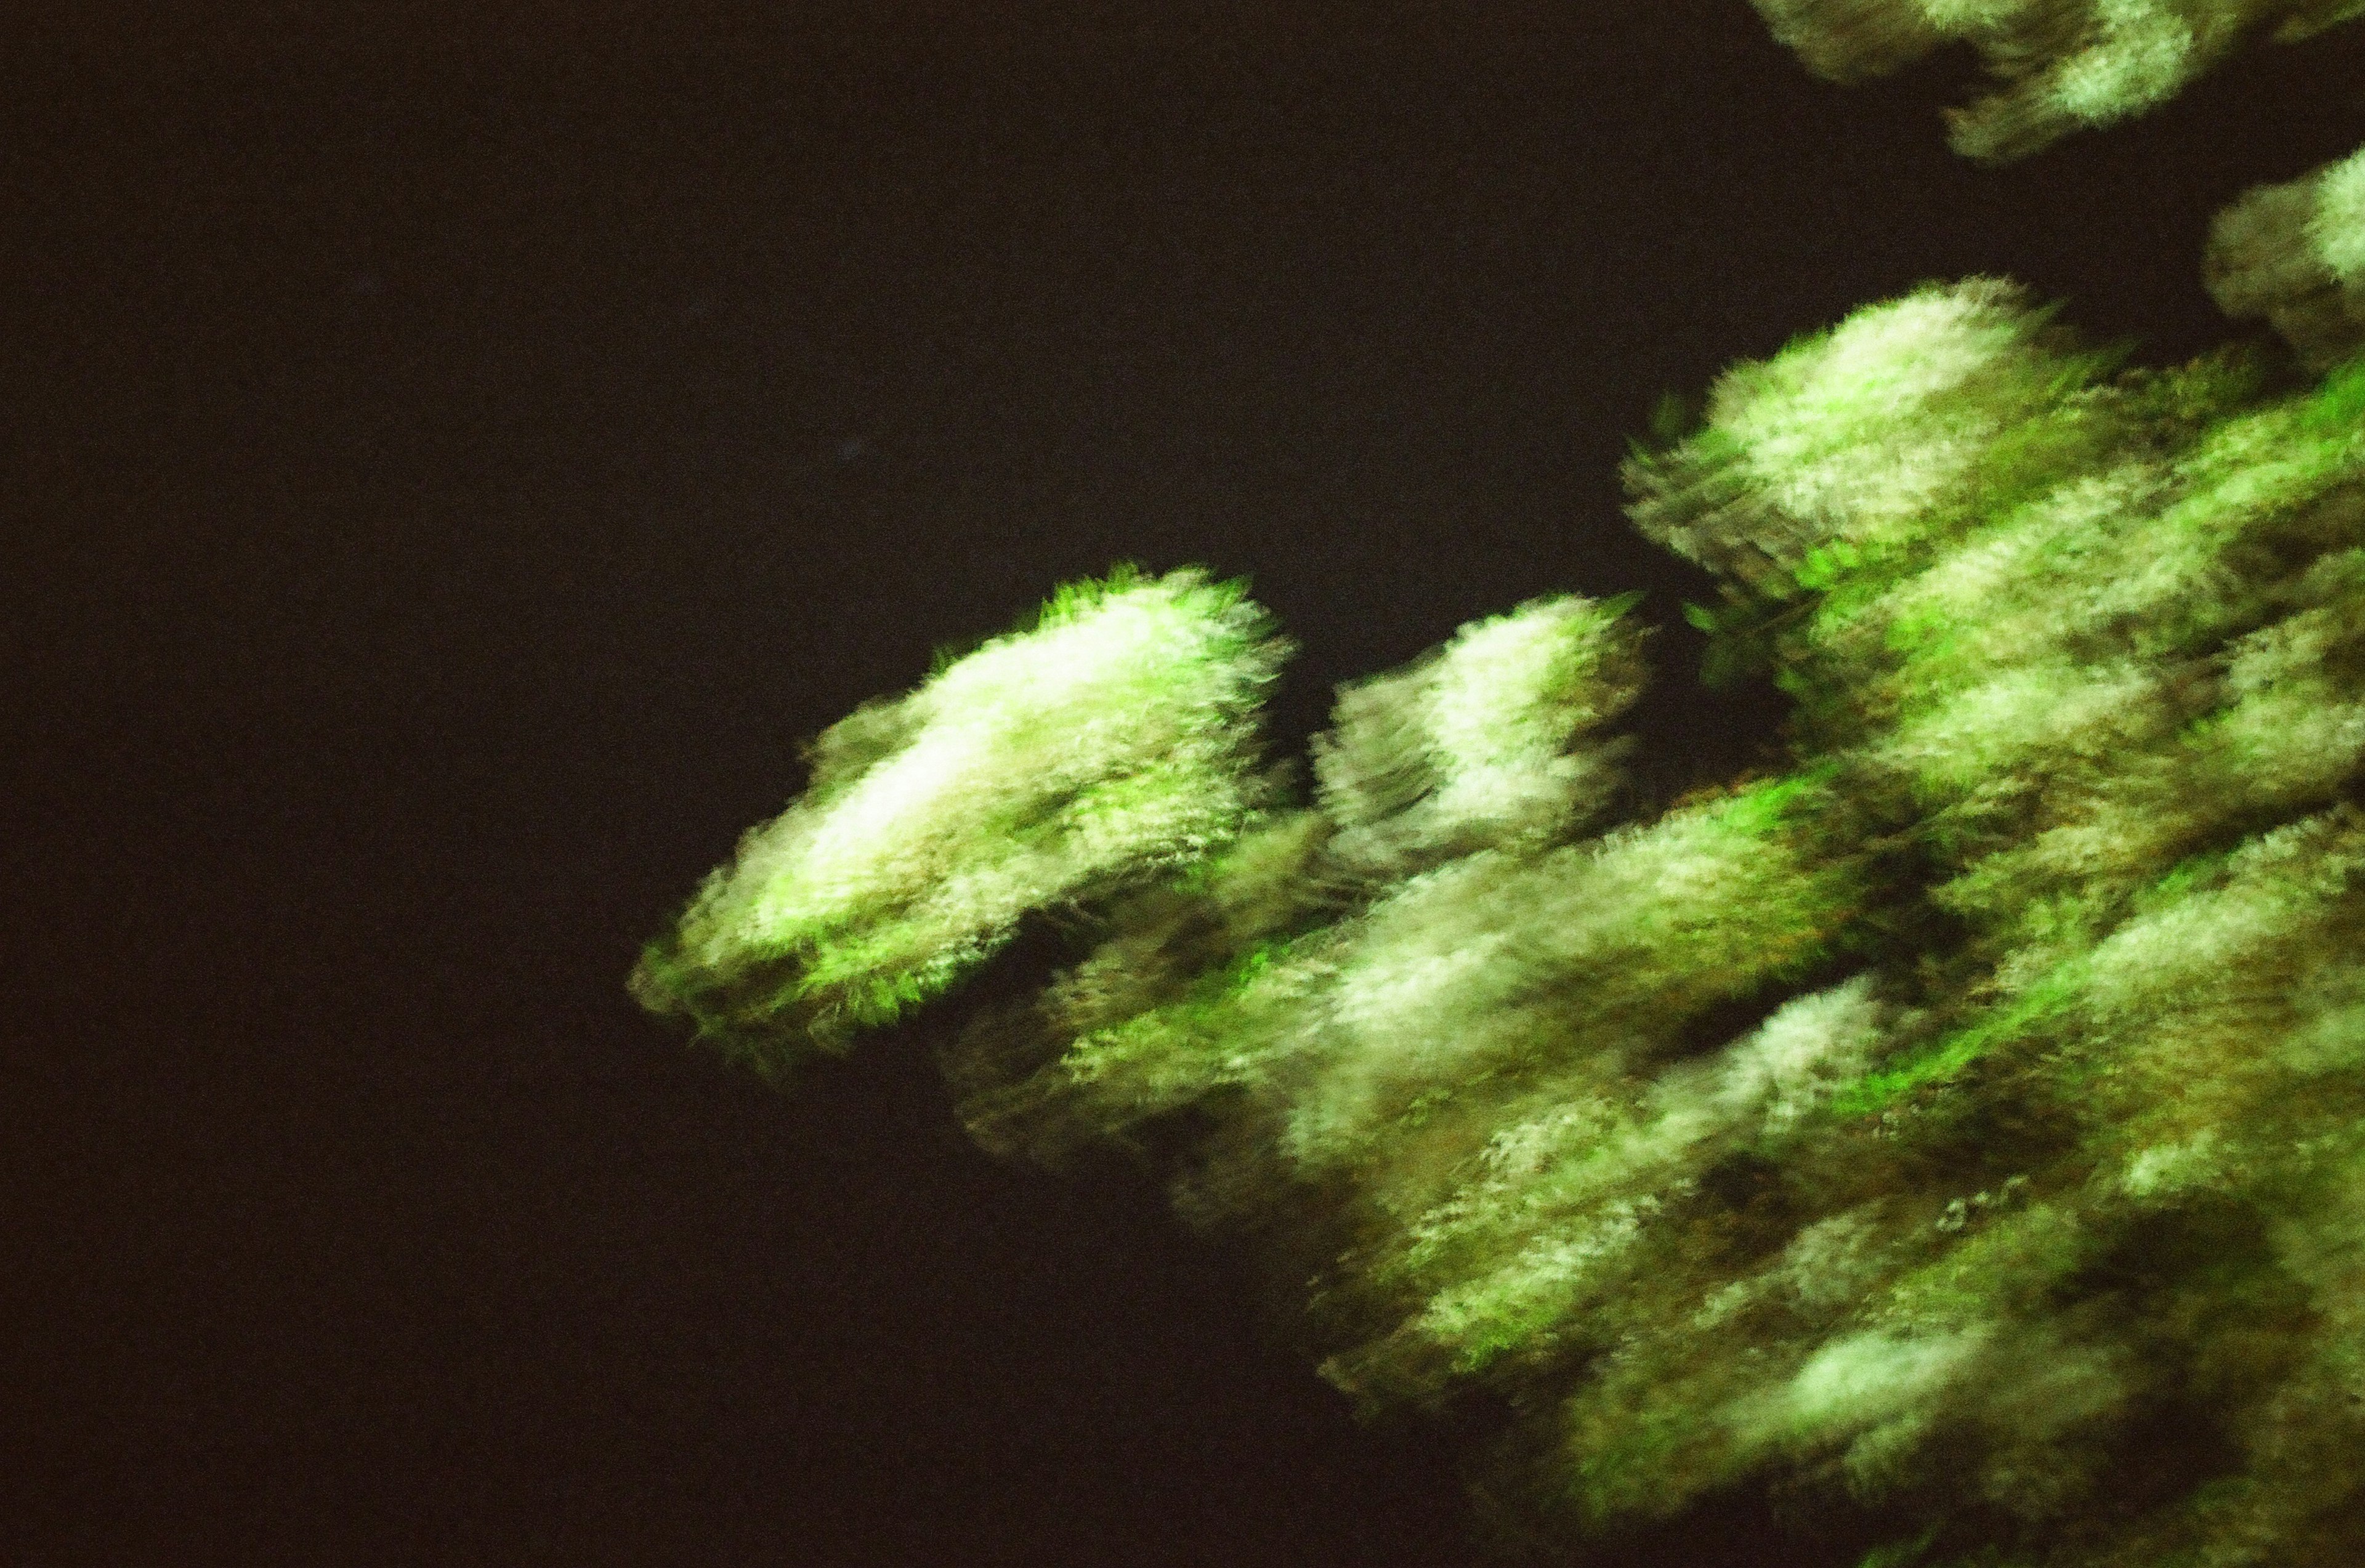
x=1959, y=1130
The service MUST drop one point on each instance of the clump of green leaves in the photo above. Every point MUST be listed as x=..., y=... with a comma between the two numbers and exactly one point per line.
x=2294, y=254
x=1113, y=739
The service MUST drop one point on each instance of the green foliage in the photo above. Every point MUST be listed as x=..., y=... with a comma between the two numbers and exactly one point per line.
x=1964, y=1126
x=1110, y=739
x=2055, y=65
x=2294, y=254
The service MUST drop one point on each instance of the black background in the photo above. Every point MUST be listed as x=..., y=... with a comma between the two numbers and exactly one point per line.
x=454, y=451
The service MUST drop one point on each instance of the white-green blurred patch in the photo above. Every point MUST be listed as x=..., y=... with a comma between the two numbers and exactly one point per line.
x=2054, y=66
x=2295, y=255
x=1490, y=741
x=1114, y=739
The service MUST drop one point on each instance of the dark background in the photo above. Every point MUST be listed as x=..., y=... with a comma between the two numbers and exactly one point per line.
x=453, y=450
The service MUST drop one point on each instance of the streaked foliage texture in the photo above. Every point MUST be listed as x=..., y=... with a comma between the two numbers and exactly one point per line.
x=2055, y=65
x=1958, y=1131
x=2294, y=254
x=1104, y=744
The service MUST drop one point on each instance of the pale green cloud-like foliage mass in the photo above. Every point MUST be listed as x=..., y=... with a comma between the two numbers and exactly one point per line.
x=1101, y=746
x=1492, y=740
x=2056, y=65
x=2294, y=254
x=1959, y=1132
